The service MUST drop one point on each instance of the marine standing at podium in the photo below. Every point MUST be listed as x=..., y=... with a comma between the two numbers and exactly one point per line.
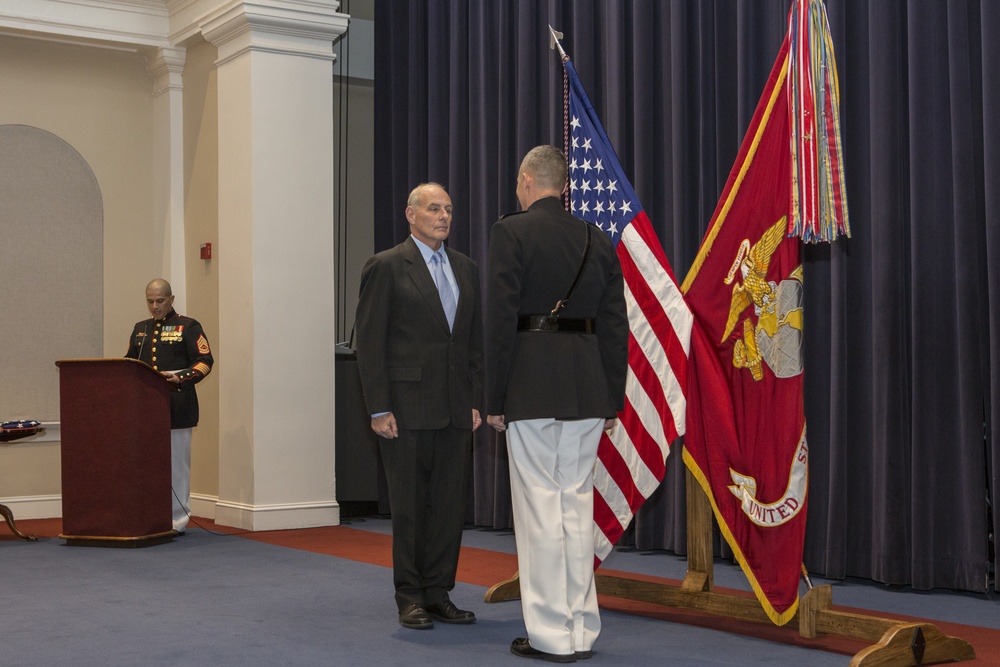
x=553, y=384
x=177, y=347
x=420, y=358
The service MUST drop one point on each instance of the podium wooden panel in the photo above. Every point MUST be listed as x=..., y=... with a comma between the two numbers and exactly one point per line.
x=115, y=416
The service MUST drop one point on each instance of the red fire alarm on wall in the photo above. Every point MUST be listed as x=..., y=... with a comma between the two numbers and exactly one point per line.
x=206, y=251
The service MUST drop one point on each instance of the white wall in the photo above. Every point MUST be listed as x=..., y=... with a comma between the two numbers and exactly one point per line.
x=79, y=70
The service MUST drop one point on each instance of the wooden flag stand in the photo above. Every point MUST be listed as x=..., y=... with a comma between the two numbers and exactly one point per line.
x=897, y=643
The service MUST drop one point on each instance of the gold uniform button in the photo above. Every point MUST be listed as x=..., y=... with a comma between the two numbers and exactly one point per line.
x=154, y=358
x=154, y=348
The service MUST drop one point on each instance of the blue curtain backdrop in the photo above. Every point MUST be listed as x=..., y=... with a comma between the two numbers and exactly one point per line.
x=902, y=320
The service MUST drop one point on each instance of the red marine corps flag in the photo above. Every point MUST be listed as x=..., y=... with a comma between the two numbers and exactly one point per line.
x=746, y=433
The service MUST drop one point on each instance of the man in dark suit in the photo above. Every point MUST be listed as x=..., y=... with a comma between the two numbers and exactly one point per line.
x=555, y=380
x=420, y=356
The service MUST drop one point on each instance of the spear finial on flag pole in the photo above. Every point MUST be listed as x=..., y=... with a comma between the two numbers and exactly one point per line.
x=554, y=37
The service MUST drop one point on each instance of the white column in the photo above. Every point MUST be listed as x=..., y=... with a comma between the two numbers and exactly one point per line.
x=166, y=65
x=275, y=346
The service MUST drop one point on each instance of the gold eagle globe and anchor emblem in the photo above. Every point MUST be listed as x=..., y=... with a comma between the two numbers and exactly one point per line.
x=776, y=338
x=776, y=341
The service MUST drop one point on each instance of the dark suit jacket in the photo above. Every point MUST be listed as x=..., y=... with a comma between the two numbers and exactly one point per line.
x=409, y=363
x=533, y=258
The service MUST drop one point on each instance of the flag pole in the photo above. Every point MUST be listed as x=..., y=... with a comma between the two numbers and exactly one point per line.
x=554, y=37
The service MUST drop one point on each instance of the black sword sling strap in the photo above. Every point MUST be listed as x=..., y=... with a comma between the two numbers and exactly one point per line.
x=552, y=322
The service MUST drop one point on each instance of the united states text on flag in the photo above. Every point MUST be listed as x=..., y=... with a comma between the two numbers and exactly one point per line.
x=631, y=458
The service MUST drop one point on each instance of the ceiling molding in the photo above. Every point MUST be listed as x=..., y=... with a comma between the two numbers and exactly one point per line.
x=143, y=24
x=137, y=23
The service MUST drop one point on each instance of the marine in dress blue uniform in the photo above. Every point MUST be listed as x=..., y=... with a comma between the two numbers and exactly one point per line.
x=178, y=348
x=553, y=384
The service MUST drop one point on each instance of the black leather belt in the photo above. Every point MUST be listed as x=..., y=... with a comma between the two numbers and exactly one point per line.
x=548, y=323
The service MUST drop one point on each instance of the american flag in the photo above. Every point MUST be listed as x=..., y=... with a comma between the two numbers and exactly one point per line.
x=631, y=459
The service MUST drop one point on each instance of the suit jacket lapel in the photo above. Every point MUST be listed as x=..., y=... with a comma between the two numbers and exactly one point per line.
x=464, y=286
x=421, y=277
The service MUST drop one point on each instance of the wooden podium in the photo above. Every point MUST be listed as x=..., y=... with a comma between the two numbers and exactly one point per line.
x=115, y=416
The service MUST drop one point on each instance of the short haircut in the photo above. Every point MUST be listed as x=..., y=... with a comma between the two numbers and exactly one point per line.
x=417, y=193
x=548, y=165
x=160, y=284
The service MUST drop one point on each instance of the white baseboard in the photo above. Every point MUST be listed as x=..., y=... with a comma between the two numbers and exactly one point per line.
x=277, y=517
x=50, y=507
x=34, y=507
x=239, y=515
x=202, y=505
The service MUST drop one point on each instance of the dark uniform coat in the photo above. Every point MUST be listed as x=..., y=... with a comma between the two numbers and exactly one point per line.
x=175, y=343
x=533, y=258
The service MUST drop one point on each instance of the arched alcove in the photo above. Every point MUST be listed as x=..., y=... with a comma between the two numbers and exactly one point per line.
x=51, y=268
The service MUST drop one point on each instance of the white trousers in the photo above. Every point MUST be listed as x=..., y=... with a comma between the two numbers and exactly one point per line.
x=552, y=491
x=180, y=476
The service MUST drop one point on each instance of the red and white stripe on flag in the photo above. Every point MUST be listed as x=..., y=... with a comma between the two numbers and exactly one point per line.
x=632, y=457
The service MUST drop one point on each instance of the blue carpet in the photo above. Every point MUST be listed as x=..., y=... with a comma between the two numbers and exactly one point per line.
x=207, y=599
x=939, y=605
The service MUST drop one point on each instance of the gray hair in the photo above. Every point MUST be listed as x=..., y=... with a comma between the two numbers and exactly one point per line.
x=417, y=193
x=548, y=165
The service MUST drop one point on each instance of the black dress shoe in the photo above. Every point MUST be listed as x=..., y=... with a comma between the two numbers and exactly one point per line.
x=583, y=655
x=447, y=612
x=521, y=648
x=415, y=617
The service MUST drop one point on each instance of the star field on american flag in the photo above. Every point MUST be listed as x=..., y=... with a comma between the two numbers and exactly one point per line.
x=597, y=193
